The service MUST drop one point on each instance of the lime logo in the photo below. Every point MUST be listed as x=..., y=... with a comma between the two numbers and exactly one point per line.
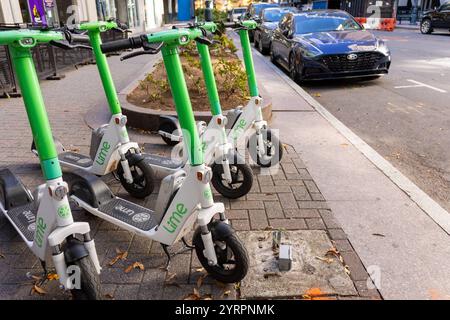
x=40, y=232
x=175, y=218
x=208, y=194
x=64, y=211
x=103, y=153
x=240, y=127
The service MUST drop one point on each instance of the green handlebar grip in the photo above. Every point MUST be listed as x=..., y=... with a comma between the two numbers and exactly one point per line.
x=28, y=38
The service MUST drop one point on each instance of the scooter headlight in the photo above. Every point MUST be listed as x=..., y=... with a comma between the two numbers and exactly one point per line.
x=26, y=42
x=184, y=39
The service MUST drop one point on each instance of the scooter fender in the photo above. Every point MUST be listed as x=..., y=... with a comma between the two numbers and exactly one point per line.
x=221, y=230
x=75, y=250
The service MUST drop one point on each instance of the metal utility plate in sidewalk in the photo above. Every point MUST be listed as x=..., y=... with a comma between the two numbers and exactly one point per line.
x=264, y=280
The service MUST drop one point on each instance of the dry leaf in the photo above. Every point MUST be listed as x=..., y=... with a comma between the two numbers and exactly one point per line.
x=109, y=296
x=37, y=278
x=136, y=265
x=120, y=256
x=200, y=269
x=327, y=260
x=226, y=293
x=207, y=297
x=316, y=95
x=52, y=276
x=38, y=290
x=2, y=256
x=191, y=296
x=333, y=252
x=347, y=269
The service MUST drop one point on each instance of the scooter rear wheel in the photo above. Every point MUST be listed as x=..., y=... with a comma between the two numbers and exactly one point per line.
x=242, y=180
x=89, y=281
x=234, y=255
x=143, y=180
x=271, y=144
x=169, y=128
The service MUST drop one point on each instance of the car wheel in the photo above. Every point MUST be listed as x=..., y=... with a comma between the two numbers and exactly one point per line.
x=255, y=41
x=293, y=71
x=261, y=47
x=425, y=26
x=272, y=55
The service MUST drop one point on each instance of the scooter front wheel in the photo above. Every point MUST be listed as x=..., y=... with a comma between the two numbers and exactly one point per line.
x=89, y=281
x=241, y=180
x=232, y=257
x=272, y=146
x=143, y=179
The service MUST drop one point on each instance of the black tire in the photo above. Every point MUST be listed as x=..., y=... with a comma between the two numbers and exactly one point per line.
x=293, y=71
x=261, y=47
x=90, y=281
x=255, y=42
x=269, y=140
x=170, y=128
x=143, y=179
x=272, y=55
x=425, y=26
x=234, y=249
x=242, y=180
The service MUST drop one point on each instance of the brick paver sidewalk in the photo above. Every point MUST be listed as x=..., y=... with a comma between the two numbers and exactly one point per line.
x=288, y=199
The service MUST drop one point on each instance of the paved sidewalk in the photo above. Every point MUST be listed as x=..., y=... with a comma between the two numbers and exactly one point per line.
x=393, y=226
x=289, y=199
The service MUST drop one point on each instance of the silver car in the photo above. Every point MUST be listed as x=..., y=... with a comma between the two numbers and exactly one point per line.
x=235, y=13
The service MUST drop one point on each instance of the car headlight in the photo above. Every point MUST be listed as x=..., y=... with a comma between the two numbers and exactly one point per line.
x=383, y=48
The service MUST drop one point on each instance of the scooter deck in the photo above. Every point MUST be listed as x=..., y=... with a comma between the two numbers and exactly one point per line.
x=130, y=213
x=24, y=218
x=164, y=162
x=76, y=159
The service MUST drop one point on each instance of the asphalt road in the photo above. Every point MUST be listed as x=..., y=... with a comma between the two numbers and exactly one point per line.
x=405, y=115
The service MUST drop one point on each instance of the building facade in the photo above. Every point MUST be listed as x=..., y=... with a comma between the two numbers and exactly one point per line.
x=140, y=15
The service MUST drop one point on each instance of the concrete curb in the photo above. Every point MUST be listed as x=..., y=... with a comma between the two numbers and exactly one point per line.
x=148, y=119
x=439, y=215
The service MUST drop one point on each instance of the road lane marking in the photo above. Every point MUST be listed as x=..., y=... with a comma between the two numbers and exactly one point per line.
x=418, y=84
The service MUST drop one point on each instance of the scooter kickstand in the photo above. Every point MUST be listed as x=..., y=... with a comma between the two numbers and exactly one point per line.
x=186, y=244
x=166, y=251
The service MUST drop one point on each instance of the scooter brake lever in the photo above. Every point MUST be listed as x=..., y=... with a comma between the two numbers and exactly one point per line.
x=204, y=40
x=67, y=46
x=136, y=53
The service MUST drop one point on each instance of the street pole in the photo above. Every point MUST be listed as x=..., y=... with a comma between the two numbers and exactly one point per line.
x=414, y=12
x=209, y=10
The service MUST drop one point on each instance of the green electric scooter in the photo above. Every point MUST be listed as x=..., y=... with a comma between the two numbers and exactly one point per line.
x=245, y=125
x=44, y=221
x=111, y=150
x=185, y=197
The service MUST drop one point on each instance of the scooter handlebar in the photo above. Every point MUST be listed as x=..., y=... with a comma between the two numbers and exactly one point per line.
x=130, y=43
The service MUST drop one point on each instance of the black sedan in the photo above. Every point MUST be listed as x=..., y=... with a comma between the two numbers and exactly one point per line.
x=436, y=19
x=253, y=11
x=327, y=44
x=267, y=22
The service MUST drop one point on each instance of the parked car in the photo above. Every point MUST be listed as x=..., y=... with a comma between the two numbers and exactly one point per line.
x=326, y=44
x=268, y=21
x=253, y=11
x=436, y=19
x=235, y=14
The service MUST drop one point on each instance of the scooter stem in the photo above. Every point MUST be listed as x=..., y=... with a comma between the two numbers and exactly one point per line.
x=183, y=104
x=248, y=61
x=104, y=71
x=35, y=107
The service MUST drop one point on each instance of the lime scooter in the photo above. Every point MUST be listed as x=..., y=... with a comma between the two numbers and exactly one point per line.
x=111, y=150
x=232, y=177
x=185, y=196
x=44, y=221
x=264, y=146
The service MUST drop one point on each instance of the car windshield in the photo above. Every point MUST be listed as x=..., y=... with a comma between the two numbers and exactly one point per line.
x=322, y=22
x=259, y=8
x=272, y=15
x=240, y=10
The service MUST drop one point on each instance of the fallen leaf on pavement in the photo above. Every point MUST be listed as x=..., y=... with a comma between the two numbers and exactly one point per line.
x=120, y=256
x=317, y=95
x=226, y=293
x=333, y=252
x=109, y=296
x=327, y=260
x=52, y=276
x=200, y=269
x=191, y=296
x=2, y=256
x=347, y=269
x=378, y=235
x=38, y=290
x=37, y=278
x=136, y=265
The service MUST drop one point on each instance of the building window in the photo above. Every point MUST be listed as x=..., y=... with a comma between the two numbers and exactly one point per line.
x=24, y=10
